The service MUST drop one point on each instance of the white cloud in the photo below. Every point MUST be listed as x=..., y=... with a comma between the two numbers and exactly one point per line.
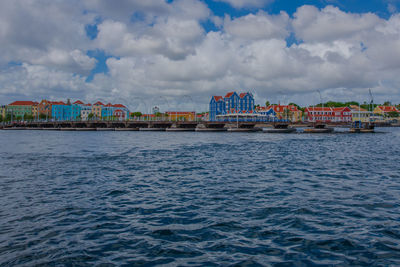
x=258, y=26
x=246, y=3
x=167, y=54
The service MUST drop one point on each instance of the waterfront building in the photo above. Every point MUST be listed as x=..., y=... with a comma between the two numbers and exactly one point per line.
x=319, y=114
x=268, y=112
x=287, y=112
x=35, y=113
x=45, y=107
x=342, y=114
x=246, y=102
x=96, y=109
x=181, y=115
x=60, y=111
x=359, y=114
x=385, y=110
x=217, y=107
x=86, y=109
x=117, y=111
x=232, y=103
x=20, y=108
x=3, y=110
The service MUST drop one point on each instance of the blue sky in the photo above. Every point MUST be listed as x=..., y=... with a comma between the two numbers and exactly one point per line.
x=158, y=49
x=380, y=8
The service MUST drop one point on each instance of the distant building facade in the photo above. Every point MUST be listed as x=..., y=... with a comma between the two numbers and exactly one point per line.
x=20, y=108
x=385, y=110
x=230, y=104
x=181, y=115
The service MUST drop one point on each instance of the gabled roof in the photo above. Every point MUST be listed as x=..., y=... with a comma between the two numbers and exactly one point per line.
x=119, y=106
x=78, y=102
x=388, y=108
x=357, y=108
x=319, y=109
x=98, y=103
x=22, y=103
x=229, y=94
x=282, y=108
x=217, y=98
x=242, y=95
x=342, y=109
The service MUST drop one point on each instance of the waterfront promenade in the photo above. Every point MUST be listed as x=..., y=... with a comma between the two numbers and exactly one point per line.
x=155, y=125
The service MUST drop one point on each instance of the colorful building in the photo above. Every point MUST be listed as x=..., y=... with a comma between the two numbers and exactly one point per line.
x=44, y=107
x=96, y=109
x=217, y=107
x=3, y=111
x=385, y=110
x=232, y=103
x=287, y=112
x=360, y=114
x=342, y=114
x=61, y=111
x=319, y=114
x=117, y=111
x=20, y=108
x=181, y=115
x=86, y=109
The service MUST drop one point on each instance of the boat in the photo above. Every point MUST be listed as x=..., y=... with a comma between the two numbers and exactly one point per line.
x=359, y=127
x=319, y=128
x=280, y=128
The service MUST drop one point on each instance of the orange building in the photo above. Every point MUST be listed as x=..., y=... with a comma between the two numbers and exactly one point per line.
x=290, y=112
x=181, y=115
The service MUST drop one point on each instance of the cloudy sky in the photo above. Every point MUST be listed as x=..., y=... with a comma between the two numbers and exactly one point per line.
x=176, y=54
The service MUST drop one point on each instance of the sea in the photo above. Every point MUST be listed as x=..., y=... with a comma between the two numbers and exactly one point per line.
x=199, y=199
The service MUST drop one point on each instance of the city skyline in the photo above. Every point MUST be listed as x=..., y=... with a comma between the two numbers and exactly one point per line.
x=186, y=51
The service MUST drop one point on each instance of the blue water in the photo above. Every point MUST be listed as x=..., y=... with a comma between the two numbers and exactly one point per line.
x=199, y=199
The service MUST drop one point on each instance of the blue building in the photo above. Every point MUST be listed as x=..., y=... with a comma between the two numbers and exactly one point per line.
x=61, y=111
x=232, y=103
x=114, y=112
x=217, y=107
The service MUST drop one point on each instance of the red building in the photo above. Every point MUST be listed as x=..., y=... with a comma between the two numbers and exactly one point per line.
x=319, y=114
x=342, y=114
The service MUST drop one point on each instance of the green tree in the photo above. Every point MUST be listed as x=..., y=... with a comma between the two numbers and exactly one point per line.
x=393, y=114
x=267, y=104
x=42, y=116
x=90, y=116
x=387, y=103
x=136, y=114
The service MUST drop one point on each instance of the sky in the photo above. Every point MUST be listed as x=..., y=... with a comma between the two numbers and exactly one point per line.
x=176, y=54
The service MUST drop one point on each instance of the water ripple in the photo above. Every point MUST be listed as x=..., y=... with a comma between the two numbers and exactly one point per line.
x=199, y=199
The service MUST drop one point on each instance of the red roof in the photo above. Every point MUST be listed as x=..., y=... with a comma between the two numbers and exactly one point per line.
x=217, y=98
x=388, y=108
x=78, y=102
x=98, y=103
x=22, y=103
x=243, y=95
x=282, y=108
x=318, y=109
x=342, y=109
x=229, y=94
x=119, y=106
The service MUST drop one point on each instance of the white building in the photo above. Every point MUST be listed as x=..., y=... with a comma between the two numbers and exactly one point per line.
x=85, y=111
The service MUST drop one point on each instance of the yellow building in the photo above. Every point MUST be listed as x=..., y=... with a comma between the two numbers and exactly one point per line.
x=96, y=109
x=181, y=115
x=385, y=110
x=35, y=110
x=290, y=112
x=360, y=114
x=3, y=110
